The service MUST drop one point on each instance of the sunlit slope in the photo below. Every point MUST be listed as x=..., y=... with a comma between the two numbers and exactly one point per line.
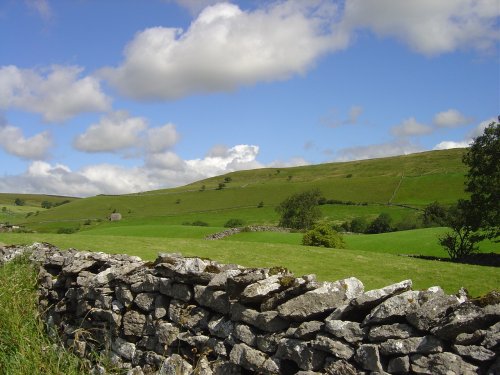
x=415, y=179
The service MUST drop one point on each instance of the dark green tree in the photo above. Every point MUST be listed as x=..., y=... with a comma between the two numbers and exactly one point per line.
x=381, y=224
x=483, y=181
x=300, y=211
x=434, y=215
x=19, y=202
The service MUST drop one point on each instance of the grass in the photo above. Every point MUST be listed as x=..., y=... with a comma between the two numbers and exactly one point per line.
x=24, y=346
x=374, y=269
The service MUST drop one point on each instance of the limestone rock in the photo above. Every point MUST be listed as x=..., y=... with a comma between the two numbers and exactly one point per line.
x=145, y=301
x=422, y=345
x=252, y=359
x=349, y=331
x=261, y=289
x=335, y=347
x=133, y=323
x=299, y=352
x=123, y=348
x=216, y=300
x=474, y=352
x=368, y=357
x=175, y=365
x=397, y=306
x=391, y=331
x=441, y=364
x=399, y=365
x=432, y=308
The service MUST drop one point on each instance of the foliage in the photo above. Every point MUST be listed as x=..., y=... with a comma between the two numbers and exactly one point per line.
x=221, y=186
x=67, y=230
x=434, y=215
x=199, y=223
x=358, y=225
x=300, y=211
x=323, y=235
x=381, y=224
x=261, y=204
x=483, y=181
x=462, y=241
x=409, y=222
x=234, y=223
x=19, y=202
x=46, y=204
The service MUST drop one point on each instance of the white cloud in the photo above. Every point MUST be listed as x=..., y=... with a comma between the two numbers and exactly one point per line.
x=160, y=170
x=428, y=26
x=479, y=129
x=445, y=145
x=354, y=113
x=225, y=48
x=14, y=142
x=293, y=162
x=57, y=94
x=410, y=127
x=114, y=132
x=450, y=119
x=161, y=138
x=395, y=148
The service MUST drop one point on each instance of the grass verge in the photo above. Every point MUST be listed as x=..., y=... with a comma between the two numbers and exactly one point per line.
x=24, y=346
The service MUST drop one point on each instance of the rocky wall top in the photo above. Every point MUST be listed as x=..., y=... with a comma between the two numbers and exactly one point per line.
x=181, y=315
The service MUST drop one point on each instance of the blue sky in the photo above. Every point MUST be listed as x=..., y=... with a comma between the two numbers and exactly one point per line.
x=120, y=96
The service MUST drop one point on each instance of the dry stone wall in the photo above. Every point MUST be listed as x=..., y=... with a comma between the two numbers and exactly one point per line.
x=181, y=315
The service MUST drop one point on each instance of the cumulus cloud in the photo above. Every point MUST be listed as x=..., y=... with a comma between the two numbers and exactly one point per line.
x=450, y=119
x=58, y=94
x=195, y=6
x=428, y=26
x=446, y=145
x=410, y=127
x=224, y=48
x=394, y=148
x=474, y=133
x=162, y=138
x=160, y=170
x=14, y=142
x=293, y=162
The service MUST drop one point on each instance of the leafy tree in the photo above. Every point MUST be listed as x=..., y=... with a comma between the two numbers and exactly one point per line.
x=358, y=225
x=434, y=215
x=381, y=224
x=234, y=223
x=463, y=238
x=483, y=181
x=323, y=235
x=19, y=202
x=300, y=211
x=4, y=209
x=46, y=204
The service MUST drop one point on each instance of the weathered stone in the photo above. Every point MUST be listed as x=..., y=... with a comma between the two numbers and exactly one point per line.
x=175, y=365
x=299, y=352
x=261, y=289
x=245, y=334
x=270, y=321
x=432, y=308
x=187, y=270
x=124, y=295
x=422, y=345
x=441, y=364
x=133, y=323
x=368, y=357
x=166, y=332
x=221, y=327
x=306, y=330
x=340, y=367
x=399, y=365
x=297, y=286
x=252, y=359
x=123, y=348
x=219, y=281
x=175, y=290
x=321, y=300
x=147, y=343
x=491, y=336
x=195, y=340
x=160, y=306
x=226, y=368
x=474, y=352
x=145, y=301
x=237, y=283
x=466, y=318
x=374, y=297
x=338, y=349
x=470, y=338
x=349, y=331
x=216, y=300
x=392, y=331
x=149, y=283
x=397, y=306
x=268, y=343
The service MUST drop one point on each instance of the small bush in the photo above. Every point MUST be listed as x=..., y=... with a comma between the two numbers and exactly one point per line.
x=323, y=235
x=199, y=223
x=358, y=225
x=382, y=224
x=261, y=204
x=234, y=223
x=66, y=230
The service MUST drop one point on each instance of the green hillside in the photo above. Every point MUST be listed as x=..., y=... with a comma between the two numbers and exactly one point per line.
x=412, y=180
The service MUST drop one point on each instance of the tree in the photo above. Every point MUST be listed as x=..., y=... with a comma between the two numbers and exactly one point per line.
x=323, y=235
x=483, y=181
x=358, y=225
x=300, y=211
x=19, y=202
x=434, y=215
x=463, y=239
x=381, y=224
x=46, y=204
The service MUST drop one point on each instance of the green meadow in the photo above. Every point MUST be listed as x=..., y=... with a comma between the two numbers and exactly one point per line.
x=162, y=221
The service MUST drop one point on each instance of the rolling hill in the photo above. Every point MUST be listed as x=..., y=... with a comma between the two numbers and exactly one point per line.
x=379, y=184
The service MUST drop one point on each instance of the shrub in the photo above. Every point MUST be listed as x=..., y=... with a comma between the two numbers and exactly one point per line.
x=19, y=202
x=234, y=223
x=358, y=225
x=261, y=204
x=300, y=211
x=199, y=223
x=323, y=235
x=66, y=230
x=381, y=224
x=434, y=215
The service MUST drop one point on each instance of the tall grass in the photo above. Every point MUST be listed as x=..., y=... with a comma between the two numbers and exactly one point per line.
x=24, y=346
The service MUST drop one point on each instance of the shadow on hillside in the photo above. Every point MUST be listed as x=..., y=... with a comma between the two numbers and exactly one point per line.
x=482, y=259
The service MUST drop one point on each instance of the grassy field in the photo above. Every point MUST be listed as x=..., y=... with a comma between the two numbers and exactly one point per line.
x=415, y=180
x=375, y=269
